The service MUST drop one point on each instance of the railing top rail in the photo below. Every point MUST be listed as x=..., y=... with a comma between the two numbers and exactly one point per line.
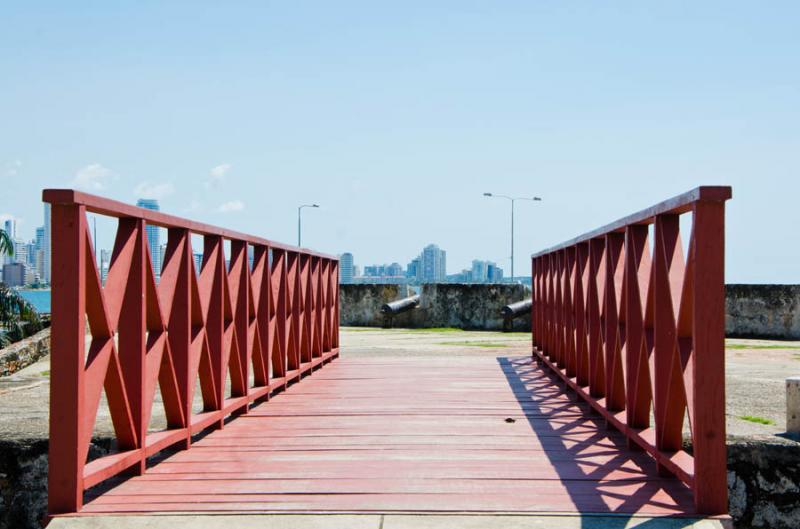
x=678, y=204
x=114, y=208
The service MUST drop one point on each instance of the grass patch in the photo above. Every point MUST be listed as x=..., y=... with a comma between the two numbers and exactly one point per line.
x=488, y=345
x=435, y=329
x=761, y=346
x=756, y=419
x=796, y=357
x=45, y=373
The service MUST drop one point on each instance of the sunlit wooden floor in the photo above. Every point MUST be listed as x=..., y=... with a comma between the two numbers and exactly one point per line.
x=463, y=434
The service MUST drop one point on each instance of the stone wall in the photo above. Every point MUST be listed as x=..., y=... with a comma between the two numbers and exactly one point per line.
x=25, y=352
x=764, y=482
x=360, y=305
x=751, y=311
x=23, y=480
x=468, y=306
x=763, y=311
x=465, y=306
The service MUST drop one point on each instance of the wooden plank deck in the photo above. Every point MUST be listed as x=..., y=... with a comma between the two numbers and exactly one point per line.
x=365, y=435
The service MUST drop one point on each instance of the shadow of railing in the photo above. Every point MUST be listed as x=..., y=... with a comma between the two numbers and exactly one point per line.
x=599, y=472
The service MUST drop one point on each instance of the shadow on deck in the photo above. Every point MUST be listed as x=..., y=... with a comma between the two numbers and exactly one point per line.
x=402, y=442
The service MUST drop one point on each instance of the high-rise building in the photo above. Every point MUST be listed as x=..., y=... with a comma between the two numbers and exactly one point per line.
x=20, y=252
x=434, y=264
x=346, y=268
x=198, y=261
x=494, y=273
x=105, y=263
x=14, y=274
x=480, y=271
x=47, y=245
x=394, y=270
x=10, y=228
x=153, y=236
x=39, y=238
x=414, y=270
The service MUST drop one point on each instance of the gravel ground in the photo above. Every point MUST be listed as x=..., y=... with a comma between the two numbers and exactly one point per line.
x=756, y=373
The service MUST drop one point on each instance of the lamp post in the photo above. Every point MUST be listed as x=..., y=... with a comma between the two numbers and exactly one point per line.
x=512, y=200
x=299, y=225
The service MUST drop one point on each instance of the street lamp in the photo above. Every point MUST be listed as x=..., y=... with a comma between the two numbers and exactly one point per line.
x=512, y=200
x=298, y=219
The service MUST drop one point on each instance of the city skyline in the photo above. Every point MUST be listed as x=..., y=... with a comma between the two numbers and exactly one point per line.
x=479, y=271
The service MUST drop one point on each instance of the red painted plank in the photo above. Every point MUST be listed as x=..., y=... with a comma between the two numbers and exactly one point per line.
x=352, y=438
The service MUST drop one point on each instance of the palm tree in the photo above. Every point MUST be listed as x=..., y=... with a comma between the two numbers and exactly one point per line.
x=18, y=317
x=6, y=244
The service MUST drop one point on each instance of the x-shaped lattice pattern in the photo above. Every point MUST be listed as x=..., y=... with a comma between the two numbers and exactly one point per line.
x=277, y=320
x=636, y=331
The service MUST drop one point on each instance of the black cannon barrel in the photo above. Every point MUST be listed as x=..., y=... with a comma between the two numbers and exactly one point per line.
x=401, y=305
x=519, y=308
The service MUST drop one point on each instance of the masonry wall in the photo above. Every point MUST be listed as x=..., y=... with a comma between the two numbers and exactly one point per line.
x=763, y=311
x=24, y=352
x=360, y=305
x=465, y=306
x=751, y=311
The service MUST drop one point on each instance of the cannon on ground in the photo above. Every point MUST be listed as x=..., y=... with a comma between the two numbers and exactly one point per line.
x=392, y=309
x=514, y=310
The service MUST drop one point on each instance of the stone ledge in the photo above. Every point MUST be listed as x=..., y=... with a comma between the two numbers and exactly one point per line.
x=21, y=354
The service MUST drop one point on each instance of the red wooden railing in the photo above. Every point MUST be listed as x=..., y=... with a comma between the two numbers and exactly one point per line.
x=632, y=327
x=273, y=323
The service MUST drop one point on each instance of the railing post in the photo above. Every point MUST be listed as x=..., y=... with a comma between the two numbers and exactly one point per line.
x=179, y=327
x=68, y=339
x=637, y=273
x=292, y=312
x=614, y=382
x=579, y=303
x=593, y=301
x=668, y=401
x=277, y=336
x=131, y=334
x=335, y=302
x=708, y=358
x=211, y=285
x=240, y=283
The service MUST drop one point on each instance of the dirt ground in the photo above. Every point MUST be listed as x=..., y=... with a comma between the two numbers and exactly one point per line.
x=756, y=372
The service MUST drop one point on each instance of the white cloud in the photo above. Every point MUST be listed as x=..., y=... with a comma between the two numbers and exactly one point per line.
x=217, y=175
x=156, y=191
x=93, y=177
x=230, y=206
x=12, y=168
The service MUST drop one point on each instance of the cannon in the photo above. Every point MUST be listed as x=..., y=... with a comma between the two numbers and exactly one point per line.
x=513, y=310
x=392, y=309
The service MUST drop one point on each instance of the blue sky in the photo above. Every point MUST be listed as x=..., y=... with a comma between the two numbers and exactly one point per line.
x=234, y=114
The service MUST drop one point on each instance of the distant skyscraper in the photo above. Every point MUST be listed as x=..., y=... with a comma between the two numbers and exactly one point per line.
x=346, y=268
x=39, y=244
x=47, y=242
x=105, y=263
x=480, y=271
x=198, y=261
x=414, y=270
x=495, y=273
x=433, y=262
x=153, y=236
x=11, y=228
x=14, y=274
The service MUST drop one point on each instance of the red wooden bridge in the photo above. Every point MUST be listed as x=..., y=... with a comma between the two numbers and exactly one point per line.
x=628, y=349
